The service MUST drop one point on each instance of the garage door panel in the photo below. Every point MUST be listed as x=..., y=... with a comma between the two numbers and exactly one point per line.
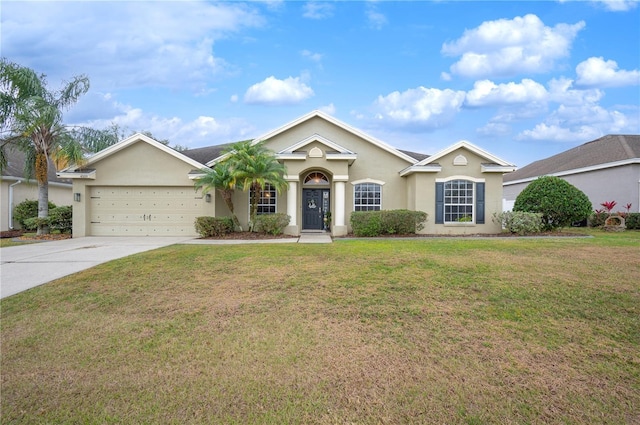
x=165, y=211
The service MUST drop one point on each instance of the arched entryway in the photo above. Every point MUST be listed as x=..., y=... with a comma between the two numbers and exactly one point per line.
x=316, y=201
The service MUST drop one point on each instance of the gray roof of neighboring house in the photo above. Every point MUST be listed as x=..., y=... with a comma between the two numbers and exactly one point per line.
x=206, y=154
x=15, y=167
x=605, y=150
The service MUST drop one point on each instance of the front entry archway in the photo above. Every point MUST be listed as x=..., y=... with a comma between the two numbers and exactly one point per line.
x=315, y=206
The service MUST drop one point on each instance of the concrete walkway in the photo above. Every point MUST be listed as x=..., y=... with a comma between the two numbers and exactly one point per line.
x=32, y=264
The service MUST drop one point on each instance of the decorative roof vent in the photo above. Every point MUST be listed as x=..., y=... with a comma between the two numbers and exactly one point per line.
x=460, y=160
x=315, y=153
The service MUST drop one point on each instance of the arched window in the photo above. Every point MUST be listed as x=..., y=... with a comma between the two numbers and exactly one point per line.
x=367, y=197
x=316, y=178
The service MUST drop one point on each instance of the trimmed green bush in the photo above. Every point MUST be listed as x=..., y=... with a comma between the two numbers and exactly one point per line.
x=632, y=220
x=387, y=222
x=34, y=222
x=272, y=224
x=61, y=218
x=28, y=209
x=519, y=222
x=209, y=227
x=559, y=202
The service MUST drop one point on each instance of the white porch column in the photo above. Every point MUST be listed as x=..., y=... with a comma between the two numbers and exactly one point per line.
x=339, y=227
x=292, y=203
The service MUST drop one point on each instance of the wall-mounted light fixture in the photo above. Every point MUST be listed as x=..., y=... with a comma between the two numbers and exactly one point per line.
x=76, y=197
x=207, y=197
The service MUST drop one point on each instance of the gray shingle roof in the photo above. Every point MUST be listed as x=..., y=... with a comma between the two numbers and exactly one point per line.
x=15, y=167
x=605, y=150
x=206, y=154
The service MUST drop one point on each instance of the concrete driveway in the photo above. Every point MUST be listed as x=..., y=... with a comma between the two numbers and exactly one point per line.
x=26, y=266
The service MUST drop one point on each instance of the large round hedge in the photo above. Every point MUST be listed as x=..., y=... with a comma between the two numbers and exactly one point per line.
x=559, y=202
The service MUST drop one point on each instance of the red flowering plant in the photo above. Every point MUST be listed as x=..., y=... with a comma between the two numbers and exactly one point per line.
x=609, y=205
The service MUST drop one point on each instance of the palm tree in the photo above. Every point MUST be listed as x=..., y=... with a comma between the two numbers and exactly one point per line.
x=254, y=166
x=220, y=177
x=31, y=120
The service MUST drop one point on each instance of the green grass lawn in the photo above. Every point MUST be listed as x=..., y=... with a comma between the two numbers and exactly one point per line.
x=443, y=331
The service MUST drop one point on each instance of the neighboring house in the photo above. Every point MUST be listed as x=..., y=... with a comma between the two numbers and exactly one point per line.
x=141, y=187
x=15, y=188
x=605, y=169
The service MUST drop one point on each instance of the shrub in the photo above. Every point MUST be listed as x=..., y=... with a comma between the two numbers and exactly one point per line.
x=34, y=222
x=597, y=218
x=28, y=209
x=633, y=221
x=61, y=218
x=559, y=202
x=387, y=222
x=208, y=227
x=519, y=222
x=273, y=224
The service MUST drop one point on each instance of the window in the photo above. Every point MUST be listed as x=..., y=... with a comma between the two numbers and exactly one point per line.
x=367, y=197
x=266, y=201
x=460, y=201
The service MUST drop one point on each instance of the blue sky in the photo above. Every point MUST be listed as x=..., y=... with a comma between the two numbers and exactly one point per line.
x=522, y=80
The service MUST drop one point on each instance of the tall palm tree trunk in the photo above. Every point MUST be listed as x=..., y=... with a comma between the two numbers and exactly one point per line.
x=42, y=169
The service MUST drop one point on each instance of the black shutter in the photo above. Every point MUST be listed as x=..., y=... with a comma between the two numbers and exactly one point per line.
x=439, y=203
x=479, y=203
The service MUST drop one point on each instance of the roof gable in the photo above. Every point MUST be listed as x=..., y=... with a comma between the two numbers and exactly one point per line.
x=136, y=138
x=470, y=147
x=605, y=152
x=340, y=124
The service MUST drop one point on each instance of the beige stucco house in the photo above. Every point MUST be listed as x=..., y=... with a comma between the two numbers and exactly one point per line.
x=142, y=187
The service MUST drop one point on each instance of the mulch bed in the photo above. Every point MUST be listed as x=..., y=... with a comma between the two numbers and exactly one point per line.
x=20, y=235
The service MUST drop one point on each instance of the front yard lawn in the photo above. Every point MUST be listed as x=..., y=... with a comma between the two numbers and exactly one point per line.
x=455, y=331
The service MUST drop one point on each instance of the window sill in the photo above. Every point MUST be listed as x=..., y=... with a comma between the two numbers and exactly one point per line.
x=460, y=224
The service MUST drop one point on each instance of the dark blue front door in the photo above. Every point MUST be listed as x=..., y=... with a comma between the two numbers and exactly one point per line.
x=315, y=203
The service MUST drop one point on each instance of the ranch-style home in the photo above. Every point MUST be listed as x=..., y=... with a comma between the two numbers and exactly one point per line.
x=141, y=187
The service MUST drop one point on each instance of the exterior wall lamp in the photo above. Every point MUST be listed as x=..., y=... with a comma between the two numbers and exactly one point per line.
x=207, y=197
x=76, y=197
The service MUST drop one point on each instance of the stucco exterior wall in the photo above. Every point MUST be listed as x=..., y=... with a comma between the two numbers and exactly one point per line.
x=59, y=194
x=426, y=196
x=139, y=164
x=620, y=184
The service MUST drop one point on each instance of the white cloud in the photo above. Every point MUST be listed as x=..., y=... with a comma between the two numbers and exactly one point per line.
x=273, y=91
x=420, y=107
x=598, y=72
x=314, y=57
x=509, y=47
x=317, y=10
x=617, y=5
x=328, y=109
x=487, y=93
x=375, y=19
x=556, y=133
x=124, y=44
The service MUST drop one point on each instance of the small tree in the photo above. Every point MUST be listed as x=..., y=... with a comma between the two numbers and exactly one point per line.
x=559, y=202
x=220, y=177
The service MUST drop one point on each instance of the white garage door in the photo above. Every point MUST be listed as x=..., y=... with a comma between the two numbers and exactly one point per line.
x=144, y=211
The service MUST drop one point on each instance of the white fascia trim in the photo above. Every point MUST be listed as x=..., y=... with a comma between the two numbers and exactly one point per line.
x=342, y=156
x=459, y=177
x=469, y=146
x=430, y=168
x=340, y=124
x=291, y=156
x=498, y=169
x=129, y=141
x=578, y=170
x=77, y=175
